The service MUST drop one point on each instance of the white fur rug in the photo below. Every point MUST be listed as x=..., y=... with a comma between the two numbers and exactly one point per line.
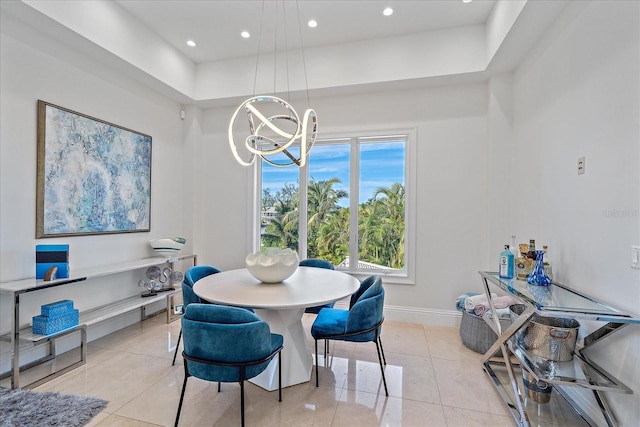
x=23, y=408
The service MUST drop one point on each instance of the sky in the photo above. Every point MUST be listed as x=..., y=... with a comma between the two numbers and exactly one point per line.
x=381, y=164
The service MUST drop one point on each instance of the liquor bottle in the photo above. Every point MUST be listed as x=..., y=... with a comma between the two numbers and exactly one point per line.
x=523, y=265
x=506, y=264
x=547, y=262
x=513, y=248
x=531, y=254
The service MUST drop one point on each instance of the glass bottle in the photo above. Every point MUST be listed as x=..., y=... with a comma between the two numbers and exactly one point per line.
x=531, y=254
x=506, y=264
x=523, y=265
x=547, y=262
x=513, y=248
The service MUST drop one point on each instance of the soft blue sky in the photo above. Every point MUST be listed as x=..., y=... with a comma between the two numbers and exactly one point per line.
x=381, y=164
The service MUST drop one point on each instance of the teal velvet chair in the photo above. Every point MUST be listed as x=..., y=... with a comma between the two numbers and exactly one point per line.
x=361, y=323
x=192, y=275
x=317, y=263
x=227, y=344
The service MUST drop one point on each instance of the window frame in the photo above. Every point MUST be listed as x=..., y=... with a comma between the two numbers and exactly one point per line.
x=405, y=277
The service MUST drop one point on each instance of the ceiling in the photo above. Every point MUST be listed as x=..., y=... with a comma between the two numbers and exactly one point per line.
x=216, y=25
x=354, y=48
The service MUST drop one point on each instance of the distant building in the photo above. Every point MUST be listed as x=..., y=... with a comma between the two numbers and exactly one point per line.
x=269, y=213
x=363, y=265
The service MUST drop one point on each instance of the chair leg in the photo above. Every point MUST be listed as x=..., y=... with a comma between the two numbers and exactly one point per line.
x=177, y=346
x=326, y=348
x=218, y=387
x=184, y=386
x=317, y=363
x=384, y=359
x=280, y=377
x=242, y=402
x=384, y=380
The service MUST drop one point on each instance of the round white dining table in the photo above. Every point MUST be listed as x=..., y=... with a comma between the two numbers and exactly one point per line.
x=281, y=305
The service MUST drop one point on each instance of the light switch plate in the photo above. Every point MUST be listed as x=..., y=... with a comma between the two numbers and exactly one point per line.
x=580, y=165
x=635, y=257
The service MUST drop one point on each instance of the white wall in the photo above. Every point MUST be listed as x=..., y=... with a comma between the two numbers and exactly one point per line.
x=451, y=150
x=42, y=69
x=578, y=94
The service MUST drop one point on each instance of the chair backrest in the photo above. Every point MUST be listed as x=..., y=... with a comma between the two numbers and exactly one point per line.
x=316, y=262
x=192, y=275
x=367, y=311
x=364, y=285
x=224, y=334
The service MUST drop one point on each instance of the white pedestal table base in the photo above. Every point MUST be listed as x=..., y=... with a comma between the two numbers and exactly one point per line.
x=297, y=360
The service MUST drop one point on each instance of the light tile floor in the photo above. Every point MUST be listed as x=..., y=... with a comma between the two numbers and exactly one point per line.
x=433, y=380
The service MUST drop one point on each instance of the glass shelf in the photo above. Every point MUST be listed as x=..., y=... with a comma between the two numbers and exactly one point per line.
x=21, y=336
x=559, y=300
x=556, y=300
x=559, y=411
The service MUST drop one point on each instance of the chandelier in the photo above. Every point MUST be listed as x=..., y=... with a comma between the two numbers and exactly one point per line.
x=274, y=131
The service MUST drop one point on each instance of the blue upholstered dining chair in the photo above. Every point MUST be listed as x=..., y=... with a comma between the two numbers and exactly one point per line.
x=318, y=263
x=192, y=275
x=361, y=323
x=227, y=344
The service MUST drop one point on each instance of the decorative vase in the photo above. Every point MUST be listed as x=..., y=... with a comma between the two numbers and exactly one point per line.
x=538, y=276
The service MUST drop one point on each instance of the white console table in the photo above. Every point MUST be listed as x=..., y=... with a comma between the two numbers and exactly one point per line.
x=22, y=338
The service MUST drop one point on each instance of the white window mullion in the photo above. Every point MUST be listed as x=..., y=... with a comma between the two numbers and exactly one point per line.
x=303, y=211
x=354, y=196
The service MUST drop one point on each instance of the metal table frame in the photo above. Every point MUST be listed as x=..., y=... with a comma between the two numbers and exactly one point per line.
x=556, y=300
x=21, y=336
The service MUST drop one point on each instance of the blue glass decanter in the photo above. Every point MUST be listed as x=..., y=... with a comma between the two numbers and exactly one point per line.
x=538, y=276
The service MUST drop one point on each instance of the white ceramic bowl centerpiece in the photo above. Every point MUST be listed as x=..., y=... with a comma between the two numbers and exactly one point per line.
x=272, y=265
x=168, y=247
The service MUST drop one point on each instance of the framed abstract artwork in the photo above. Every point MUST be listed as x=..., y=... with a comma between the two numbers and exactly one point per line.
x=93, y=177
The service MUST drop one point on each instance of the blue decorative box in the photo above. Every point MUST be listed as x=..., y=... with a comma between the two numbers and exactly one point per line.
x=56, y=308
x=45, y=325
x=48, y=256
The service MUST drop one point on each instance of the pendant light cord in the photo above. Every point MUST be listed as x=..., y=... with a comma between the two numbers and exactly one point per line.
x=304, y=62
x=255, y=76
x=275, y=51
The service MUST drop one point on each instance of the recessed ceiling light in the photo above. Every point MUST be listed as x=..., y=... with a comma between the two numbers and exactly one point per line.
x=245, y=34
x=387, y=12
x=312, y=23
x=191, y=43
x=467, y=1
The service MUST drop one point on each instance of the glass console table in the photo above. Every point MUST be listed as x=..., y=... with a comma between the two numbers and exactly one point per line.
x=21, y=336
x=561, y=301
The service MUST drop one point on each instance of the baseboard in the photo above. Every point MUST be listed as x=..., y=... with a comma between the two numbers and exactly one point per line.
x=424, y=316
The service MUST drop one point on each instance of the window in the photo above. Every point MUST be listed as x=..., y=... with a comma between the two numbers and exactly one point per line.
x=351, y=202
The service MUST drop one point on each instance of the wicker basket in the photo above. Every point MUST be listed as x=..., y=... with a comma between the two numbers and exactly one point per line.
x=476, y=334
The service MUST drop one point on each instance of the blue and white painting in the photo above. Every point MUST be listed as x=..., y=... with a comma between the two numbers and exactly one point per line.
x=96, y=177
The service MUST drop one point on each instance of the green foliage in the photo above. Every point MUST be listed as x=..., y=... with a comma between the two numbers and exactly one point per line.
x=380, y=223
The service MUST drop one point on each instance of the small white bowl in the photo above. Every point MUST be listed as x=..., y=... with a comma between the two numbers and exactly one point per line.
x=167, y=247
x=272, y=265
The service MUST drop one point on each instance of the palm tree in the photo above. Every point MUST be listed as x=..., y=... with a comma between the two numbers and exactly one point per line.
x=282, y=230
x=390, y=212
x=322, y=198
x=381, y=227
x=332, y=242
x=380, y=223
x=322, y=203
